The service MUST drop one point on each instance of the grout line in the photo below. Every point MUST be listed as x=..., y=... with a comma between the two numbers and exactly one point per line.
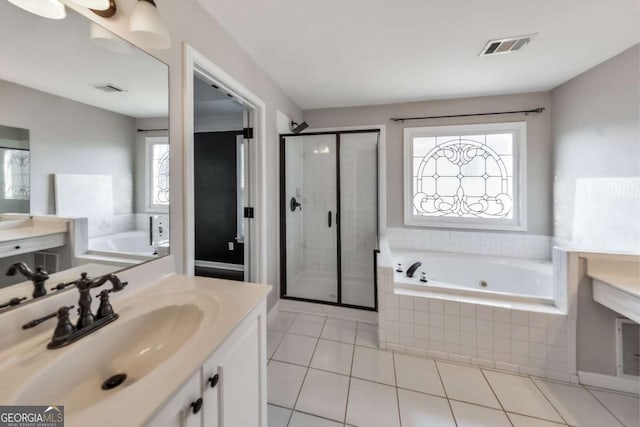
x=395, y=380
x=353, y=356
x=303, y=381
x=492, y=390
x=453, y=415
x=549, y=400
x=534, y=418
x=605, y=406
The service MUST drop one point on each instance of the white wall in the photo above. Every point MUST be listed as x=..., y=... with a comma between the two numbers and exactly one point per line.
x=70, y=137
x=539, y=172
x=189, y=23
x=595, y=131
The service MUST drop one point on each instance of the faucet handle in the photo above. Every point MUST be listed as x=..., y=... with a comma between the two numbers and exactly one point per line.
x=34, y=323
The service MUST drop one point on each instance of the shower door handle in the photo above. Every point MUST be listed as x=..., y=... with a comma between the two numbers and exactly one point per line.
x=329, y=219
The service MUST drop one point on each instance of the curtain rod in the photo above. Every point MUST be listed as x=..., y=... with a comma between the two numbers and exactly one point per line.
x=526, y=112
x=153, y=130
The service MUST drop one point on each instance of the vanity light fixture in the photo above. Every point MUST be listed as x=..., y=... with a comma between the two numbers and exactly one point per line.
x=148, y=27
x=93, y=4
x=108, y=40
x=52, y=9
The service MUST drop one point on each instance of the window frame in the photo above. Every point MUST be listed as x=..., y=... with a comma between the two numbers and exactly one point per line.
x=519, y=220
x=150, y=142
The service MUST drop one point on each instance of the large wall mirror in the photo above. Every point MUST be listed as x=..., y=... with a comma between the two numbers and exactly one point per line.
x=84, y=153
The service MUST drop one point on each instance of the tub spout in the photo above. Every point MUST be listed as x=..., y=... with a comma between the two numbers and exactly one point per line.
x=413, y=268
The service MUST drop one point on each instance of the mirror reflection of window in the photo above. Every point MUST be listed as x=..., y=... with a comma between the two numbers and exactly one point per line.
x=158, y=169
x=16, y=174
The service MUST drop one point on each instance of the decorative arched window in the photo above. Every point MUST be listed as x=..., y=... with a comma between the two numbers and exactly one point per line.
x=468, y=176
x=16, y=174
x=157, y=174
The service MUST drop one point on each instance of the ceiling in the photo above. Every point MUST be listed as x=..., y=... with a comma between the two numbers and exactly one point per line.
x=58, y=57
x=335, y=53
x=209, y=101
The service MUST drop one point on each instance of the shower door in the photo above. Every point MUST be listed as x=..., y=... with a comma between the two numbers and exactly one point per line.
x=310, y=206
x=329, y=217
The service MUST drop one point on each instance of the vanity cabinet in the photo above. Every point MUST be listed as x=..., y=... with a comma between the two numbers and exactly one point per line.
x=231, y=383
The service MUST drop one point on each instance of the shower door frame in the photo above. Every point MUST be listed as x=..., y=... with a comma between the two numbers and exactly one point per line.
x=283, y=219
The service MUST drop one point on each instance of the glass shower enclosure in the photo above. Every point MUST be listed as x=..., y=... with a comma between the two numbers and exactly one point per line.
x=329, y=217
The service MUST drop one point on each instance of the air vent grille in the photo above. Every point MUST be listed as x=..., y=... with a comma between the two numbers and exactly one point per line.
x=108, y=87
x=506, y=45
x=629, y=349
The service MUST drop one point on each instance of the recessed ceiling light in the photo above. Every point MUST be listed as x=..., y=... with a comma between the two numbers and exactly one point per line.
x=506, y=45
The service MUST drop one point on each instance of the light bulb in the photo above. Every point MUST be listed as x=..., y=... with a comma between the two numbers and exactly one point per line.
x=52, y=9
x=93, y=4
x=148, y=27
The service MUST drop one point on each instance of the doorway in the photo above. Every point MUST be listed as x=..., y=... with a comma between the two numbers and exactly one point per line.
x=254, y=138
x=329, y=217
x=220, y=189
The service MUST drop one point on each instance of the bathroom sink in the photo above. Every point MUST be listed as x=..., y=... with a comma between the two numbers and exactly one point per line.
x=114, y=358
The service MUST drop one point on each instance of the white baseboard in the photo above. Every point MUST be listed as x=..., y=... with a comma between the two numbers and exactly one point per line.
x=628, y=385
x=219, y=265
x=274, y=310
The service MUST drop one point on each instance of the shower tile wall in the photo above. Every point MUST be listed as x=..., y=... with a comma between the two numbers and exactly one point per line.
x=294, y=220
x=319, y=197
x=358, y=204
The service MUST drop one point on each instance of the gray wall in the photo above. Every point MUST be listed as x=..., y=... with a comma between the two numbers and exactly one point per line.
x=188, y=22
x=596, y=133
x=70, y=137
x=595, y=130
x=538, y=142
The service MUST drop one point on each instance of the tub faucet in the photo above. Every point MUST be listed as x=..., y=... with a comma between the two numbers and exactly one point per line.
x=413, y=268
x=39, y=277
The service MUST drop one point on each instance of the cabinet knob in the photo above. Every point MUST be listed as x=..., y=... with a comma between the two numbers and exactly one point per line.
x=17, y=247
x=213, y=381
x=197, y=405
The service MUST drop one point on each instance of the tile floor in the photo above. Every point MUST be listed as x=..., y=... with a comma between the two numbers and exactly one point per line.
x=325, y=372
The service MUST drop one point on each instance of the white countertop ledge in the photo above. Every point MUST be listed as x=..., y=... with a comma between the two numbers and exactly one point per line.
x=137, y=403
x=622, y=275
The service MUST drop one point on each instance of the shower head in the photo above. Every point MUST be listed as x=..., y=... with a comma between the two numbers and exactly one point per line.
x=297, y=128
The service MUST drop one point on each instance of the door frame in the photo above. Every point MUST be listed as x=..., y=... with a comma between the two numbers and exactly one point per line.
x=194, y=62
x=283, y=210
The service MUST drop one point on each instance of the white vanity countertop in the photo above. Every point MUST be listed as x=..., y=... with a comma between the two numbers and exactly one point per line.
x=38, y=229
x=137, y=403
x=622, y=275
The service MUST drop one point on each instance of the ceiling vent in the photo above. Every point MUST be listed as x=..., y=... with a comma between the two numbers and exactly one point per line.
x=506, y=45
x=108, y=87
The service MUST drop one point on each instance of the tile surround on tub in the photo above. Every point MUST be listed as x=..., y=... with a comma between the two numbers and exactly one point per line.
x=531, y=343
x=497, y=244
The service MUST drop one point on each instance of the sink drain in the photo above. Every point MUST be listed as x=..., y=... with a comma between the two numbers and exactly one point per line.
x=114, y=381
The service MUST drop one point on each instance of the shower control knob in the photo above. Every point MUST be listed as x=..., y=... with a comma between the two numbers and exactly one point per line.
x=423, y=277
x=399, y=268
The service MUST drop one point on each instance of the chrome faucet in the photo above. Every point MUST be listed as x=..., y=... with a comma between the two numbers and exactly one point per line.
x=39, y=277
x=65, y=332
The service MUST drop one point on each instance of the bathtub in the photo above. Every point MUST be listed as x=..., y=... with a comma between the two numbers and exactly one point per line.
x=476, y=278
x=134, y=242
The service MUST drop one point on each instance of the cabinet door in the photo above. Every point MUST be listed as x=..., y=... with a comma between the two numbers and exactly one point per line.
x=178, y=412
x=239, y=398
